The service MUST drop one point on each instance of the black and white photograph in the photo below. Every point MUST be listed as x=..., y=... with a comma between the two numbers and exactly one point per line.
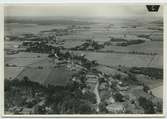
x=83, y=59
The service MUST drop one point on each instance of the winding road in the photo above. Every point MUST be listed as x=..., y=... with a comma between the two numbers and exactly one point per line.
x=96, y=92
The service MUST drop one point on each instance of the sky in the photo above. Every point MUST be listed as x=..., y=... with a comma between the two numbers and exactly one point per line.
x=81, y=10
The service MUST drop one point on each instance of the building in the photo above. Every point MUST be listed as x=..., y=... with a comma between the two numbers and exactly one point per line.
x=91, y=81
x=122, y=87
x=116, y=108
x=103, y=86
x=110, y=100
x=27, y=111
x=12, y=52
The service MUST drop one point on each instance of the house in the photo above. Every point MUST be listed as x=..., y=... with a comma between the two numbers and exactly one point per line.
x=91, y=76
x=116, y=108
x=110, y=100
x=84, y=90
x=103, y=86
x=75, y=79
x=30, y=101
x=122, y=87
x=27, y=111
x=91, y=81
x=41, y=103
x=15, y=109
x=12, y=52
x=111, y=79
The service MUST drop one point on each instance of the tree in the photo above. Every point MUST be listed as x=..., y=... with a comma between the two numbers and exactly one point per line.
x=102, y=107
x=84, y=108
x=147, y=105
x=145, y=88
x=118, y=97
x=117, y=76
x=90, y=96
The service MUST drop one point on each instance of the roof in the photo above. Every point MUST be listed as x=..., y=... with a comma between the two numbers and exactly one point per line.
x=91, y=76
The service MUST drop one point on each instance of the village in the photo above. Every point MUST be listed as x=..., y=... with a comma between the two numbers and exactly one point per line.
x=82, y=85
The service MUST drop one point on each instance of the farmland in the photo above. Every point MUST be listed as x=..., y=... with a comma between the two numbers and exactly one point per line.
x=78, y=66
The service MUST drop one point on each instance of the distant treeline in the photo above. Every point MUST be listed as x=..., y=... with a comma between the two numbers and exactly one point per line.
x=45, y=21
x=131, y=42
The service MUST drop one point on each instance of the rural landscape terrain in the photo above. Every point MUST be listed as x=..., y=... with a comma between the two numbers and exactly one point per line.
x=83, y=65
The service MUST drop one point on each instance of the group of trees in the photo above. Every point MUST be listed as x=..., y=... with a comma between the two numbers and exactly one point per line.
x=68, y=99
x=41, y=47
x=142, y=53
x=71, y=100
x=89, y=45
x=131, y=42
x=151, y=72
x=123, y=42
x=147, y=105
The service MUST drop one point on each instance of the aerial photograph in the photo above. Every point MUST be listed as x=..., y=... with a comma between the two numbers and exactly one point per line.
x=83, y=59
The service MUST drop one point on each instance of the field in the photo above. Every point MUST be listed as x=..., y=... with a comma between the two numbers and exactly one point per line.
x=129, y=60
x=20, y=61
x=48, y=74
x=147, y=47
x=16, y=28
x=11, y=44
x=23, y=58
x=12, y=72
x=158, y=91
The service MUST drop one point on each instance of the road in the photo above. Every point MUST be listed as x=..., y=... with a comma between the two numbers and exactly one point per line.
x=96, y=91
